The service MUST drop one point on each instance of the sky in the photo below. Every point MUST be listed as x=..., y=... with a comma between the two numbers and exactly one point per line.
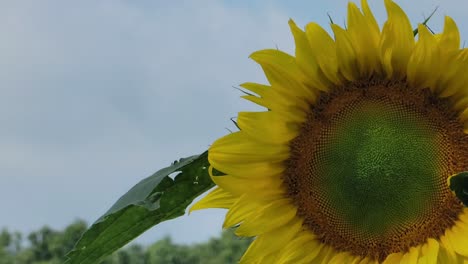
x=97, y=95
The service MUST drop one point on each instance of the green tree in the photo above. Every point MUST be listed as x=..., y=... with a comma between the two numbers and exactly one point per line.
x=226, y=249
x=5, y=243
x=41, y=243
x=46, y=246
x=165, y=251
x=64, y=241
x=49, y=246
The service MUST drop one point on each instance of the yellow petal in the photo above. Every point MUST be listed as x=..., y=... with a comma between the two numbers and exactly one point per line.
x=461, y=103
x=259, y=188
x=323, y=49
x=315, y=247
x=307, y=60
x=240, y=210
x=272, y=241
x=411, y=256
x=217, y=198
x=341, y=258
x=270, y=258
x=397, y=42
x=292, y=112
x=238, y=147
x=450, y=38
x=365, y=45
x=252, y=170
x=374, y=27
x=325, y=255
x=282, y=103
x=259, y=89
x=447, y=251
x=393, y=258
x=454, y=79
x=459, y=240
x=302, y=249
x=429, y=252
x=273, y=215
x=464, y=115
x=345, y=53
x=463, y=217
x=284, y=74
x=268, y=127
x=356, y=260
x=365, y=261
x=423, y=66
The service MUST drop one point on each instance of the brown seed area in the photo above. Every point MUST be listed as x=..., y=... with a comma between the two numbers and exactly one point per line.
x=303, y=177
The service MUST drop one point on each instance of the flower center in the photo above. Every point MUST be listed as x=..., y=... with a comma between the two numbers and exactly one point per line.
x=368, y=170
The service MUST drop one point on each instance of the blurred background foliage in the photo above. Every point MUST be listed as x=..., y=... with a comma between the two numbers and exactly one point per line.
x=48, y=246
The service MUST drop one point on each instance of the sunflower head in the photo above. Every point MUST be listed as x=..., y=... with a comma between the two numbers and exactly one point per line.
x=350, y=162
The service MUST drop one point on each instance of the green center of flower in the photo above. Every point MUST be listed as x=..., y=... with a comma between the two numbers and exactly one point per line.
x=379, y=168
x=368, y=170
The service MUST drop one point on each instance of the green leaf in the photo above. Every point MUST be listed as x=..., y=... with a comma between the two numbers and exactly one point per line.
x=459, y=185
x=155, y=199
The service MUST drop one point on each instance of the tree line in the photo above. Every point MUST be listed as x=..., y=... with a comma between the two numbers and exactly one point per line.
x=48, y=246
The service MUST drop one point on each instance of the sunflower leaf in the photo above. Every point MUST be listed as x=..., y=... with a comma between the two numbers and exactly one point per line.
x=459, y=185
x=153, y=200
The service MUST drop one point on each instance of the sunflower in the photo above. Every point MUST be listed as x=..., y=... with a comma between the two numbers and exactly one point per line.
x=349, y=164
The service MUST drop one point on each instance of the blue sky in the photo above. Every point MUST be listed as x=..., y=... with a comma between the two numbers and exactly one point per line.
x=97, y=95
